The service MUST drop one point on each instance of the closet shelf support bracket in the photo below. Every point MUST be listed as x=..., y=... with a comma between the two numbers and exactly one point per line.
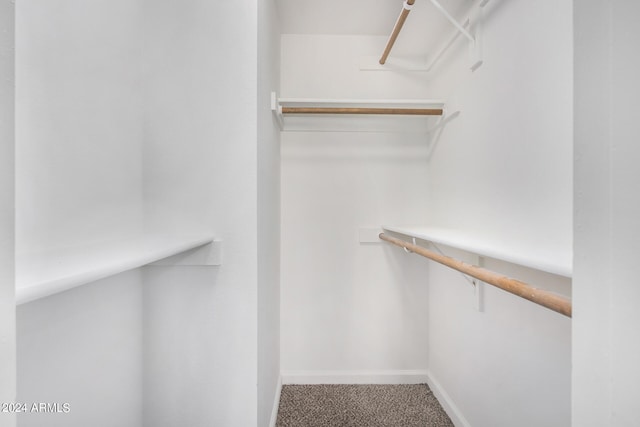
x=276, y=108
x=453, y=21
x=470, y=29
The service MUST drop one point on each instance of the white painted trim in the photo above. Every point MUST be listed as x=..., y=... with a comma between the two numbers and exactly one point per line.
x=355, y=377
x=446, y=402
x=276, y=403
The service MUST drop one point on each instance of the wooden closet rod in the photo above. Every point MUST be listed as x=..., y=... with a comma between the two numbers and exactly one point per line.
x=406, y=8
x=541, y=297
x=363, y=110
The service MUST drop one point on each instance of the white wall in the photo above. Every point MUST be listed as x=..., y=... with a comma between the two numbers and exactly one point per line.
x=78, y=122
x=592, y=372
x=147, y=117
x=200, y=170
x=78, y=180
x=268, y=213
x=348, y=307
x=503, y=169
x=7, y=287
x=84, y=348
x=606, y=373
x=509, y=364
x=510, y=147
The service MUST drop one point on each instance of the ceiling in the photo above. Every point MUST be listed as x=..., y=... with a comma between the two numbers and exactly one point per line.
x=424, y=28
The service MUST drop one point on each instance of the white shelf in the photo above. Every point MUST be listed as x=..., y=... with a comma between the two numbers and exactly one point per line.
x=43, y=274
x=355, y=122
x=373, y=103
x=551, y=261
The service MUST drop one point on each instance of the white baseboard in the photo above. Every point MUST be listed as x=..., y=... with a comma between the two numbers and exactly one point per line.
x=447, y=403
x=276, y=403
x=355, y=377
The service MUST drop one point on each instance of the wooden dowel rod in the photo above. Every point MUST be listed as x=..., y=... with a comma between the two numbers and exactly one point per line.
x=396, y=31
x=359, y=110
x=547, y=299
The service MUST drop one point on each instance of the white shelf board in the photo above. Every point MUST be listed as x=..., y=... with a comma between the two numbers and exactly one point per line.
x=373, y=103
x=551, y=261
x=353, y=122
x=47, y=273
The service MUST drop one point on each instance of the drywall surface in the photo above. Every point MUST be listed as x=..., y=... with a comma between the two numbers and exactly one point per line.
x=83, y=348
x=189, y=350
x=592, y=323
x=7, y=256
x=328, y=67
x=503, y=169
x=200, y=171
x=268, y=213
x=605, y=368
x=349, y=308
x=506, y=364
x=78, y=122
x=78, y=181
x=146, y=117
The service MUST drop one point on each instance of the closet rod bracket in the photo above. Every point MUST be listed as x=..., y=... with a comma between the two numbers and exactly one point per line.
x=413, y=239
x=276, y=108
x=407, y=6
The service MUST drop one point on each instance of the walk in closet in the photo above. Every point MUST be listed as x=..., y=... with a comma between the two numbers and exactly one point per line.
x=206, y=204
x=466, y=182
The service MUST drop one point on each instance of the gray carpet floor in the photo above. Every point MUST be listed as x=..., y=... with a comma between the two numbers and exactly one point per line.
x=360, y=406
